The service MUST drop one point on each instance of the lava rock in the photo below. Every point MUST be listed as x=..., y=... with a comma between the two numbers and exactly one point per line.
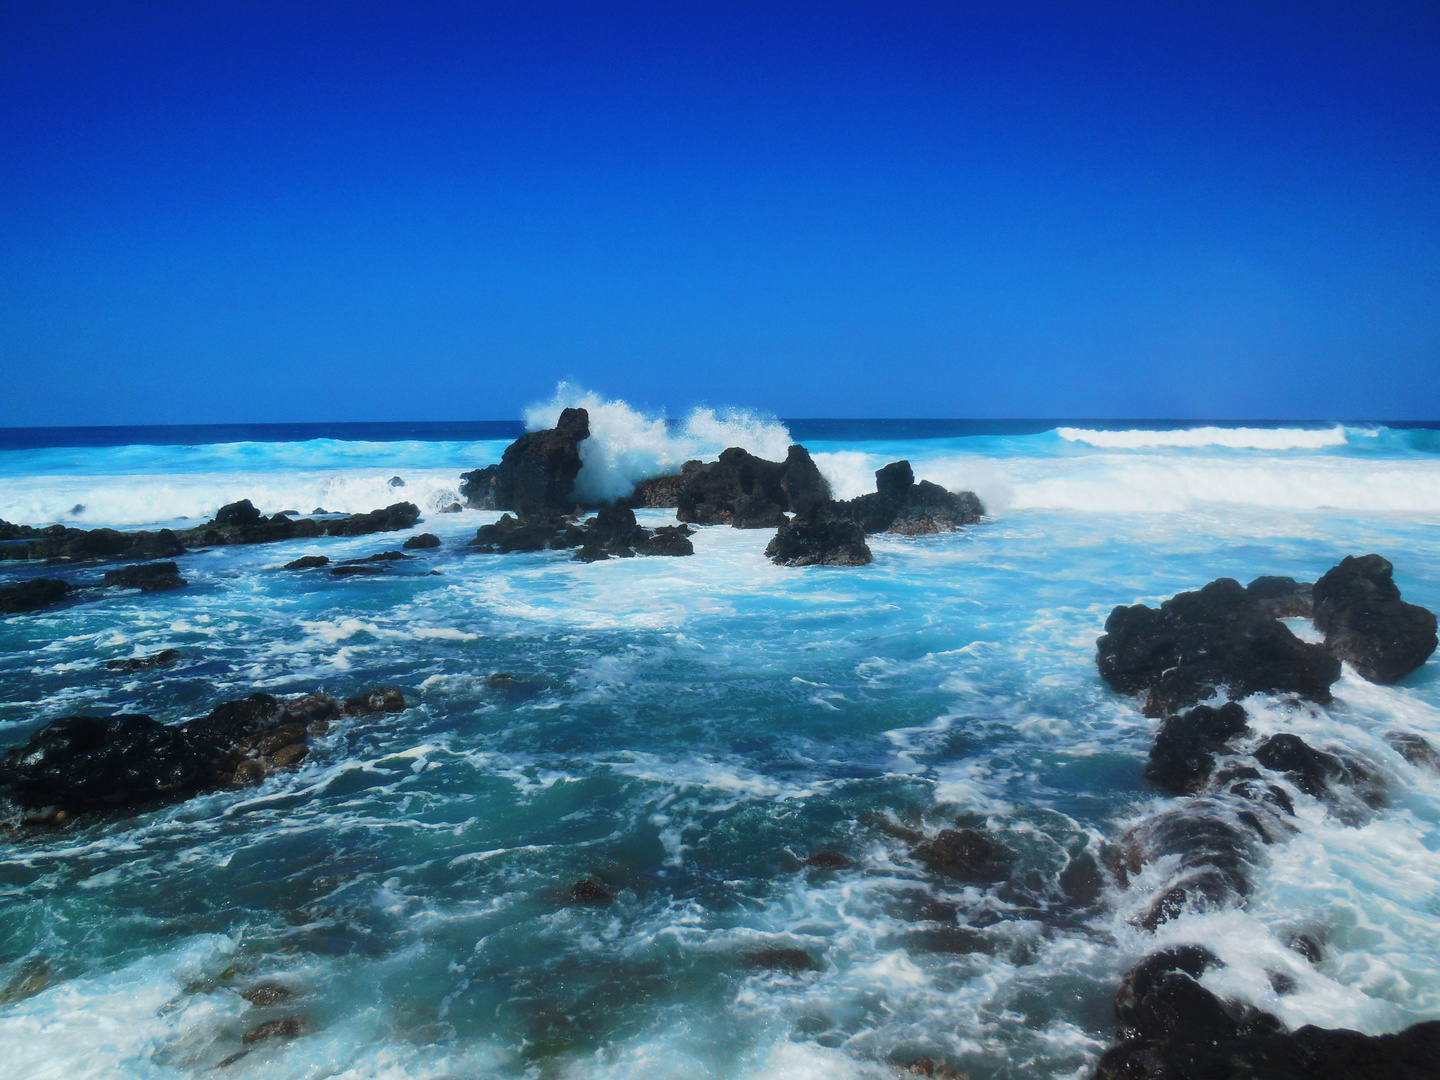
x=393, y=518
x=357, y=569
x=87, y=763
x=147, y=577
x=1416, y=749
x=237, y=513
x=32, y=595
x=1358, y=607
x=965, y=854
x=61, y=543
x=163, y=658
x=1312, y=771
x=1282, y=597
x=383, y=699
x=536, y=474
x=819, y=543
x=308, y=562
x=829, y=860
x=590, y=893
x=421, y=541
x=395, y=482
x=1183, y=755
x=287, y=1027
x=661, y=492
x=781, y=958
x=667, y=540
x=750, y=492
x=1198, y=642
x=511, y=534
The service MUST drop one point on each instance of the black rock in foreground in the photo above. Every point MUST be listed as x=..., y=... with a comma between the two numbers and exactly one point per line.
x=1198, y=642
x=819, y=543
x=1358, y=606
x=1172, y=1028
x=1183, y=755
x=32, y=595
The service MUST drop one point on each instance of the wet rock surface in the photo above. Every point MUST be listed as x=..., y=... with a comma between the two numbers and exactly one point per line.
x=161, y=659
x=1367, y=624
x=750, y=492
x=612, y=533
x=662, y=492
x=536, y=474
x=33, y=595
x=1183, y=756
x=901, y=505
x=1173, y=1028
x=819, y=543
x=421, y=541
x=132, y=761
x=308, y=562
x=60, y=542
x=147, y=577
x=1196, y=643
x=963, y=854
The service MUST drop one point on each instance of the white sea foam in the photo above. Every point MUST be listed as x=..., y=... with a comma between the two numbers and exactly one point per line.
x=626, y=445
x=1236, y=438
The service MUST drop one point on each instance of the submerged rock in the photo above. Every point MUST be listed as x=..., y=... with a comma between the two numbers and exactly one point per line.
x=1358, y=607
x=147, y=577
x=1183, y=755
x=383, y=699
x=966, y=854
x=163, y=658
x=308, y=562
x=421, y=541
x=781, y=958
x=32, y=595
x=536, y=474
x=819, y=543
x=287, y=1027
x=590, y=893
x=1198, y=642
x=1314, y=771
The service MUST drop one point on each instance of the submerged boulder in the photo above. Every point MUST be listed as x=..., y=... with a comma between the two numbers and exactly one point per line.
x=147, y=577
x=536, y=474
x=1198, y=642
x=965, y=854
x=1358, y=607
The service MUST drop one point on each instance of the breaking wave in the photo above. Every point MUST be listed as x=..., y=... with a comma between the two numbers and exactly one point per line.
x=1234, y=438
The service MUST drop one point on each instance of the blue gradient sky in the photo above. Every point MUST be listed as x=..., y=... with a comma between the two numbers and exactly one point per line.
x=216, y=212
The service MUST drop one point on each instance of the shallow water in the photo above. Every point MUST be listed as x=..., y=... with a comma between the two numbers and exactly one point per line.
x=687, y=733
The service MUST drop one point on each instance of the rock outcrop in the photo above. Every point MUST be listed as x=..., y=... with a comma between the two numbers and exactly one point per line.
x=661, y=492
x=1198, y=642
x=819, y=543
x=535, y=477
x=750, y=492
x=1358, y=607
x=612, y=532
x=1183, y=756
x=129, y=762
x=60, y=542
x=901, y=505
x=32, y=595
x=1173, y=1028
x=147, y=577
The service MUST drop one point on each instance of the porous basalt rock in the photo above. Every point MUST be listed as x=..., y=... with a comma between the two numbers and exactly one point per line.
x=1358, y=607
x=1282, y=597
x=147, y=577
x=32, y=595
x=1314, y=771
x=819, y=543
x=901, y=505
x=661, y=492
x=536, y=474
x=1183, y=755
x=1198, y=642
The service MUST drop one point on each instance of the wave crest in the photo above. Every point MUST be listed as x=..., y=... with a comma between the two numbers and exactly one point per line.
x=1234, y=438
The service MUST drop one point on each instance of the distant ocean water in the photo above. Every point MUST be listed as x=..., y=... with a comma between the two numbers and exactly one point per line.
x=688, y=732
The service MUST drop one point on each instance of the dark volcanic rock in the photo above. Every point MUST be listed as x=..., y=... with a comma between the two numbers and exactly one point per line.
x=1198, y=642
x=393, y=518
x=750, y=492
x=819, y=543
x=421, y=541
x=829, y=860
x=966, y=854
x=1416, y=749
x=147, y=577
x=612, y=533
x=1282, y=597
x=86, y=763
x=32, y=595
x=536, y=474
x=361, y=569
x=1172, y=1028
x=163, y=658
x=513, y=534
x=667, y=540
x=661, y=492
x=590, y=893
x=1365, y=622
x=1313, y=771
x=383, y=699
x=59, y=542
x=308, y=562
x=237, y=513
x=900, y=505
x=1183, y=755
x=781, y=958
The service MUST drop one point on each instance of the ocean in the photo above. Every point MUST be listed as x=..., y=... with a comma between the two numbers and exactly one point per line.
x=687, y=733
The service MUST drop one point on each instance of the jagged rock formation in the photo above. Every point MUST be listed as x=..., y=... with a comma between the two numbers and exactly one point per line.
x=1358, y=606
x=612, y=532
x=536, y=475
x=749, y=492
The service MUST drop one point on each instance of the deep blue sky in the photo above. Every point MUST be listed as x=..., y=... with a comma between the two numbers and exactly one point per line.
x=219, y=211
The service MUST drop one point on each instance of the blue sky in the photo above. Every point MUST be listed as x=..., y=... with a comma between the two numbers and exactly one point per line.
x=282, y=212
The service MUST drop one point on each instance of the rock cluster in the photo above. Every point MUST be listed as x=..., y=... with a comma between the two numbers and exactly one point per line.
x=1195, y=643
x=612, y=532
x=536, y=475
x=32, y=595
x=749, y=492
x=130, y=761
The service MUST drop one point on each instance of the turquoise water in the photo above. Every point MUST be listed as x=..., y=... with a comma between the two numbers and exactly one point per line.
x=689, y=732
